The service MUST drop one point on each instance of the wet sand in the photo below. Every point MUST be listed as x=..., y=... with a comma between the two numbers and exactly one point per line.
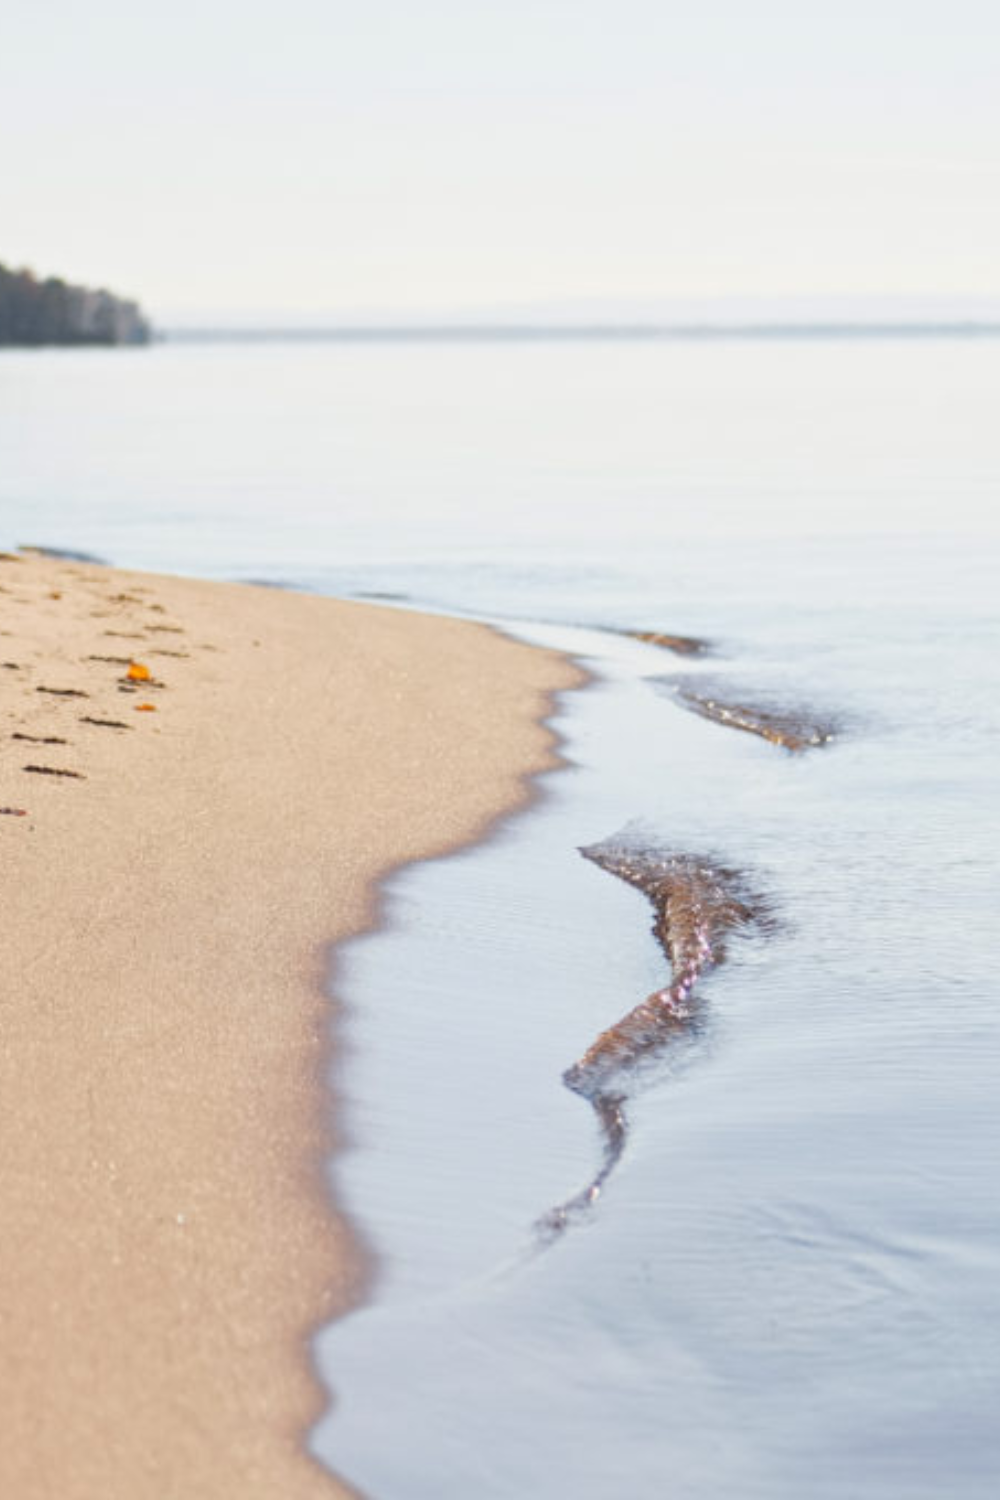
x=200, y=785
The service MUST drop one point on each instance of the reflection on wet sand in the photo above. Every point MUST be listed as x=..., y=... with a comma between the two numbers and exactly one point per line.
x=697, y=904
x=794, y=729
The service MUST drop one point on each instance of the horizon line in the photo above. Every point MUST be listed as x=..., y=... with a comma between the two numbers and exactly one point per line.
x=484, y=332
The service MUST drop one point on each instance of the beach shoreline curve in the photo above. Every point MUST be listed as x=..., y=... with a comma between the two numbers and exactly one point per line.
x=227, y=774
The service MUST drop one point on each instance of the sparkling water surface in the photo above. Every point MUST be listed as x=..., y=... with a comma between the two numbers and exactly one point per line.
x=791, y=1283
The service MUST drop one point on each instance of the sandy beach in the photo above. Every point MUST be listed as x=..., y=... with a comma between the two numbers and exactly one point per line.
x=200, y=786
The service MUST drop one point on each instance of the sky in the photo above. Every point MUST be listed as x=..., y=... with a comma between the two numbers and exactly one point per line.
x=232, y=158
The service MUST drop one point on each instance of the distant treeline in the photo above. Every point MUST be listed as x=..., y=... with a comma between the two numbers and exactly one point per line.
x=33, y=312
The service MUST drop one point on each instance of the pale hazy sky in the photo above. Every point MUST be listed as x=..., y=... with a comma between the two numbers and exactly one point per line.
x=421, y=154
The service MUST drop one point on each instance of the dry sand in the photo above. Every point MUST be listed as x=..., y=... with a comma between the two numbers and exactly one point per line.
x=168, y=1243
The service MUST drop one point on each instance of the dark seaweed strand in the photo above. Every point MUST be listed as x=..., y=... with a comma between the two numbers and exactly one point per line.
x=54, y=771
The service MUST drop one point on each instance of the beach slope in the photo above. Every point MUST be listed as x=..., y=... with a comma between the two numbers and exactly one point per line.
x=201, y=785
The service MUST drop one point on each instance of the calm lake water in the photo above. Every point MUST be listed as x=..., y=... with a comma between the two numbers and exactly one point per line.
x=791, y=1284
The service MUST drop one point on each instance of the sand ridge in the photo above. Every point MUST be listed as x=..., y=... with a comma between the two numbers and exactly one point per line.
x=169, y=1242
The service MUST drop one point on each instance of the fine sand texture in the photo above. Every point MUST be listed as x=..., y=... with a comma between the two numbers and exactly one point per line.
x=201, y=784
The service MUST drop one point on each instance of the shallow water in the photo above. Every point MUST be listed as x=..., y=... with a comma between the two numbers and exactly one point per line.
x=789, y=1285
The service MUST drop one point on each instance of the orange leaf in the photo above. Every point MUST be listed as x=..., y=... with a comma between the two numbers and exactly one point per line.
x=137, y=672
x=145, y=708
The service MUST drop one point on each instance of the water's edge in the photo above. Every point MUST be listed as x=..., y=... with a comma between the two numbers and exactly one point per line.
x=723, y=1315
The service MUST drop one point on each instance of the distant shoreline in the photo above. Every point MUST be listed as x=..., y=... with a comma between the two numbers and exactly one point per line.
x=48, y=312
x=468, y=333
